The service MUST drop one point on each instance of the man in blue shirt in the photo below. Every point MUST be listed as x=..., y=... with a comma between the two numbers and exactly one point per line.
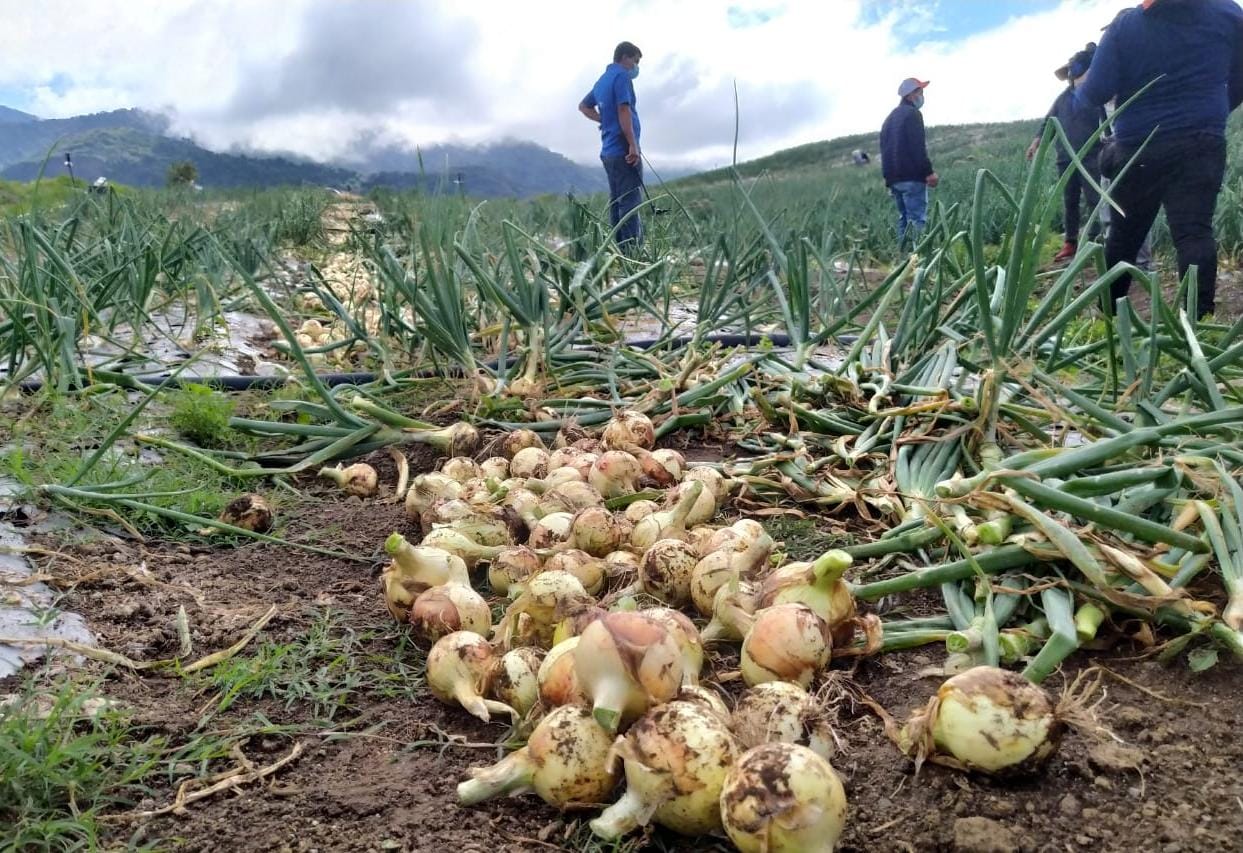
x=904, y=159
x=611, y=103
x=1193, y=49
x=1078, y=124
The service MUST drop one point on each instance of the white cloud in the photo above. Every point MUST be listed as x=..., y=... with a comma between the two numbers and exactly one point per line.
x=309, y=75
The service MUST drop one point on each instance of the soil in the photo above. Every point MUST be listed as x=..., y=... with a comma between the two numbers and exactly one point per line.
x=1167, y=780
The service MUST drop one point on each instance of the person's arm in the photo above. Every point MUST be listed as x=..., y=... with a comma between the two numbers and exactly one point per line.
x=1103, y=78
x=1044, y=125
x=625, y=119
x=920, y=145
x=587, y=106
x=623, y=91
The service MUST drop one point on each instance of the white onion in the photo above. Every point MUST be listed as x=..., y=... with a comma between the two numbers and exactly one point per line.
x=672, y=461
x=628, y=430
x=414, y=569
x=494, y=468
x=788, y=642
x=783, y=798
x=426, y=489
x=626, y=663
x=545, y=600
x=565, y=762
x=667, y=524
x=551, y=530
x=359, y=479
x=676, y=760
x=713, y=480
x=596, y=531
x=665, y=571
x=702, y=509
x=641, y=509
x=819, y=585
x=530, y=462
x=515, y=680
x=686, y=635
x=570, y=497
x=732, y=612
x=518, y=440
x=565, y=474
x=448, y=539
x=615, y=473
x=590, y=571
x=450, y=607
x=458, y=667
x=558, y=681
x=781, y=712
x=724, y=566
x=461, y=468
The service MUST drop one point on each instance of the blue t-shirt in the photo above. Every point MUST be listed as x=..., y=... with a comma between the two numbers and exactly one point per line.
x=614, y=87
x=1195, y=44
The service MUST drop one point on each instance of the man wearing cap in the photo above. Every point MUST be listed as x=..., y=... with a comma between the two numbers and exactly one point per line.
x=611, y=103
x=904, y=159
x=1079, y=123
x=1193, y=50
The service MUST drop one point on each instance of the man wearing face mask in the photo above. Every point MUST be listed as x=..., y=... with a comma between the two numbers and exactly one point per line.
x=1193, y=50
x=611, y=104
x=904, y=160
x=1079, y=123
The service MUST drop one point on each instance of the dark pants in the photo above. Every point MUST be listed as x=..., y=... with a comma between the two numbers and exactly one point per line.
x=1183, y=174
x=625, y=194
x=1077, y=187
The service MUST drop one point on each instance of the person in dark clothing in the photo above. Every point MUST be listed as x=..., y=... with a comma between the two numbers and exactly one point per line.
x=1079, y=124
x=1193, y=50
x=904, y=159
x=612, y=104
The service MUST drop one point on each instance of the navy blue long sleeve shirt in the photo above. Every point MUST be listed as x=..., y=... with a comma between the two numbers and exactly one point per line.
x=903, y=152
x=1196, y=44
x=1079, y=123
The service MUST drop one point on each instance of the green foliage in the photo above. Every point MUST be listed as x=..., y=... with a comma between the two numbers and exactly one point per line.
x=181, y=174
x=201, y=415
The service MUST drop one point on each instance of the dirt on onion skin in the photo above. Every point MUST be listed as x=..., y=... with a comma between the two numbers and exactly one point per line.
x=382, y=775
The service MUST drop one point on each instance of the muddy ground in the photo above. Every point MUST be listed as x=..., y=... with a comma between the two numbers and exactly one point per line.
x=381, y=775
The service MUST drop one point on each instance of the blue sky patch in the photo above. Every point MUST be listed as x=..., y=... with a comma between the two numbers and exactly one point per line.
x=740, y=18
x=948, y=20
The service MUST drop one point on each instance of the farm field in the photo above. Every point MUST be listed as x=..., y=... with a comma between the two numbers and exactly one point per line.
x=882, y=470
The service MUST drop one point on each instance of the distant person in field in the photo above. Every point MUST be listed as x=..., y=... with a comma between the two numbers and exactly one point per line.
x=611, y=104
x=904, y=160
x=1193, y=49
x=1079, y=123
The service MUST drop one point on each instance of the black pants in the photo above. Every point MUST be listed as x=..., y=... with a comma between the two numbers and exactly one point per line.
x=1077, y=187
x=1183, y=174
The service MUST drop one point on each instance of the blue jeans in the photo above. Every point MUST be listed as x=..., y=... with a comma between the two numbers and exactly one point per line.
x=625, y=194
x=911, y=197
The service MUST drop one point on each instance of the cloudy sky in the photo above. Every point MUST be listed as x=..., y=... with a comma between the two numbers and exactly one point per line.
x=309, y=75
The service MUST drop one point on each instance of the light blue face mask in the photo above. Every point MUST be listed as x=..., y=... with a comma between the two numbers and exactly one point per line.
x=918, y=101
x=633, y=72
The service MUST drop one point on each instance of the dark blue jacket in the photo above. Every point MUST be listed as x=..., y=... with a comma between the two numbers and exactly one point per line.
x=1078, y=122
x=903, y=152
x=1196, y=44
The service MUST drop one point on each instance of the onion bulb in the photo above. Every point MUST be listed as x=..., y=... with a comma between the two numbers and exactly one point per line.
x=673, y=462
x=781, y=712
x=665, y=571
x=686, y=635
x=615, y=473
x=359, y=479
x=703, y=508
x=783, y=798
x=589, y=570
x=249, y=512
x=461, y=468
x=713, y=481
x=987, y=719
x=563, y=457
x=558, y=681
x=450, y=607
x=667, y=524
x=565, y=762
x=628, y=430
x=458, y=667
x=494, y=468
x=448, y=539
x=518, y=440
x=733, y=611
x=708, y=700
x=819, y=585
x=788, y=642
x=596, y=531
x=550, y=531
x=512, y=566
x=676, y=759
x=626, y=663
x=426, y=489
x=721, y=567
x=414, y=569
x=530, y=462
x=639, y=510
x=565, y=474
x=515, y=681
x=545, y=599
x=570, y=497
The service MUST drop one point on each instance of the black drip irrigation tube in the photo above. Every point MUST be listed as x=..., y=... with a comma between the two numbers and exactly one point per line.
x=246, y=383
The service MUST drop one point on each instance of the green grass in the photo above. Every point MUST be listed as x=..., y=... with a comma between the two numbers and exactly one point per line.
x=202, y=415
x=802, y=538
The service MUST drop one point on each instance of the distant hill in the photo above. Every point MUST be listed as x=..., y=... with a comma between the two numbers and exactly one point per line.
x=134, y=147
x=11, y=116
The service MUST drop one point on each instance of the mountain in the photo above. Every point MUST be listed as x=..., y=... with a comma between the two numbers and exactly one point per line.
x=12, y=116
x=135, y=147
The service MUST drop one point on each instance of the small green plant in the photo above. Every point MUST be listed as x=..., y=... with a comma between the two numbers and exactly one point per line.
x=202, y=415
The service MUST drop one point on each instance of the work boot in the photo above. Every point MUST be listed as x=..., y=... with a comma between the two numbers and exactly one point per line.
x=1066, y=253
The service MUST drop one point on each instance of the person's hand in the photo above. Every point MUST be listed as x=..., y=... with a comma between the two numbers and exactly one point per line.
x=932, y=180
x=632, y=157
x=1031, y=149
